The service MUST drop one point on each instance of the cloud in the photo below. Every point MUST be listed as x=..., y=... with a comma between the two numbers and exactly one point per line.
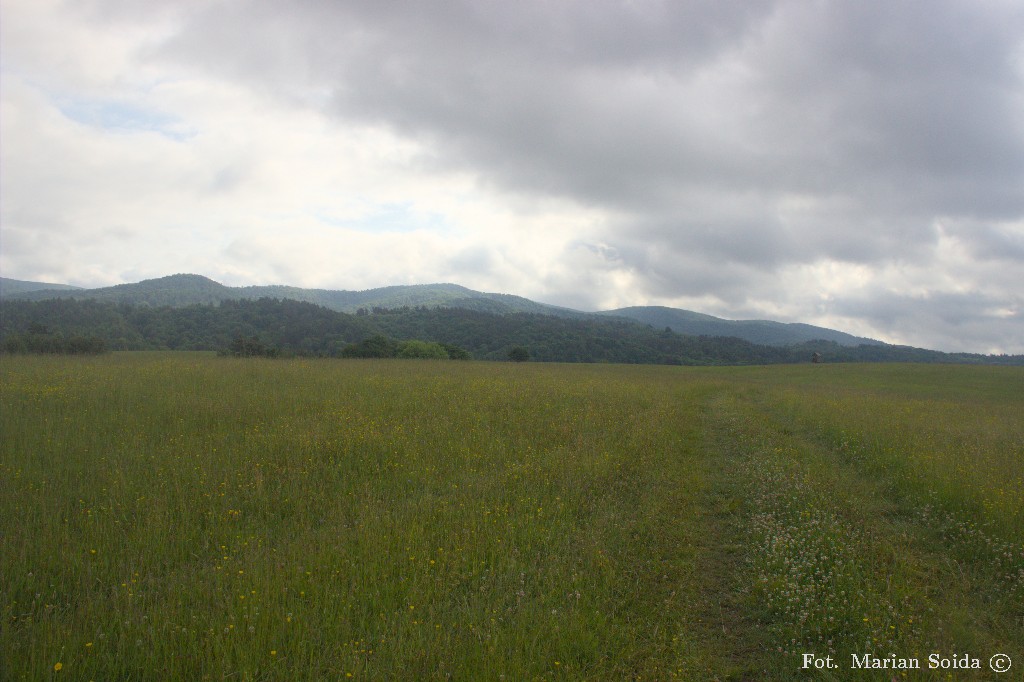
x=751, y=159
x=953, y=320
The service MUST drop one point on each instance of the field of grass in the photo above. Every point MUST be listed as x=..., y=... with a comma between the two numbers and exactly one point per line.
x=182, y=516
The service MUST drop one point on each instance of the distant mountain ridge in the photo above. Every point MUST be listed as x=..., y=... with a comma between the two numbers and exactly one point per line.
x=14, y=287
x=185, y=289
x=764, y=332
x=189, y=289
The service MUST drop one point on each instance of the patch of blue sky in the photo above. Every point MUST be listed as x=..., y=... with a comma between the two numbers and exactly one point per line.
x=389, y=217
x=116, y=116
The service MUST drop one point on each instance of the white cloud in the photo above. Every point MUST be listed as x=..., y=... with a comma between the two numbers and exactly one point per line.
x=859, y=166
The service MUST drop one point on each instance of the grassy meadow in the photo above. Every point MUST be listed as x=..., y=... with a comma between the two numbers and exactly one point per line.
x=188, y=517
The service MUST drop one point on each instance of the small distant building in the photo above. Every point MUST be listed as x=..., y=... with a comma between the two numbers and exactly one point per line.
x=816, y=357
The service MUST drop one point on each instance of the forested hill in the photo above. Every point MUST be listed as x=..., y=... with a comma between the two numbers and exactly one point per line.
x=300, y=328
x=18, y=287
x=184, y=290
x=756, y=331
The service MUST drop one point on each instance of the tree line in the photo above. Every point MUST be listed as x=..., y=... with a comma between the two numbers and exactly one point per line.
x=38, y=339
x=274, y=327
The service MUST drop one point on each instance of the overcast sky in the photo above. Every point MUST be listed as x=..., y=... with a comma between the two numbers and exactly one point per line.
x=856, y=164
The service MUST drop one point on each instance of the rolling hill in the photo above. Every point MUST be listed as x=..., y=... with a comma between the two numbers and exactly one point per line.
x=184, y=289
x=188, y=289
x=765, y=332
x=17, y=287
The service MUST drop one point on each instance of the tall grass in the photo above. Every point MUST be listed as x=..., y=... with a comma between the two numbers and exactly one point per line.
x=953, y=433
x=183, y=516
x=884, y=509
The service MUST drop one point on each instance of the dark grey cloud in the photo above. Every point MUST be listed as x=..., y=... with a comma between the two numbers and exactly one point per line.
x=946, y=321
x=993, y=243
x=565, y=98
x=915, y=105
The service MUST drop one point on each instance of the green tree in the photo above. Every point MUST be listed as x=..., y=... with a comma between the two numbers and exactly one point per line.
x=377, y=346
x=422, y=349
x=518, y=354
x=456, y=353
x=251, y=348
